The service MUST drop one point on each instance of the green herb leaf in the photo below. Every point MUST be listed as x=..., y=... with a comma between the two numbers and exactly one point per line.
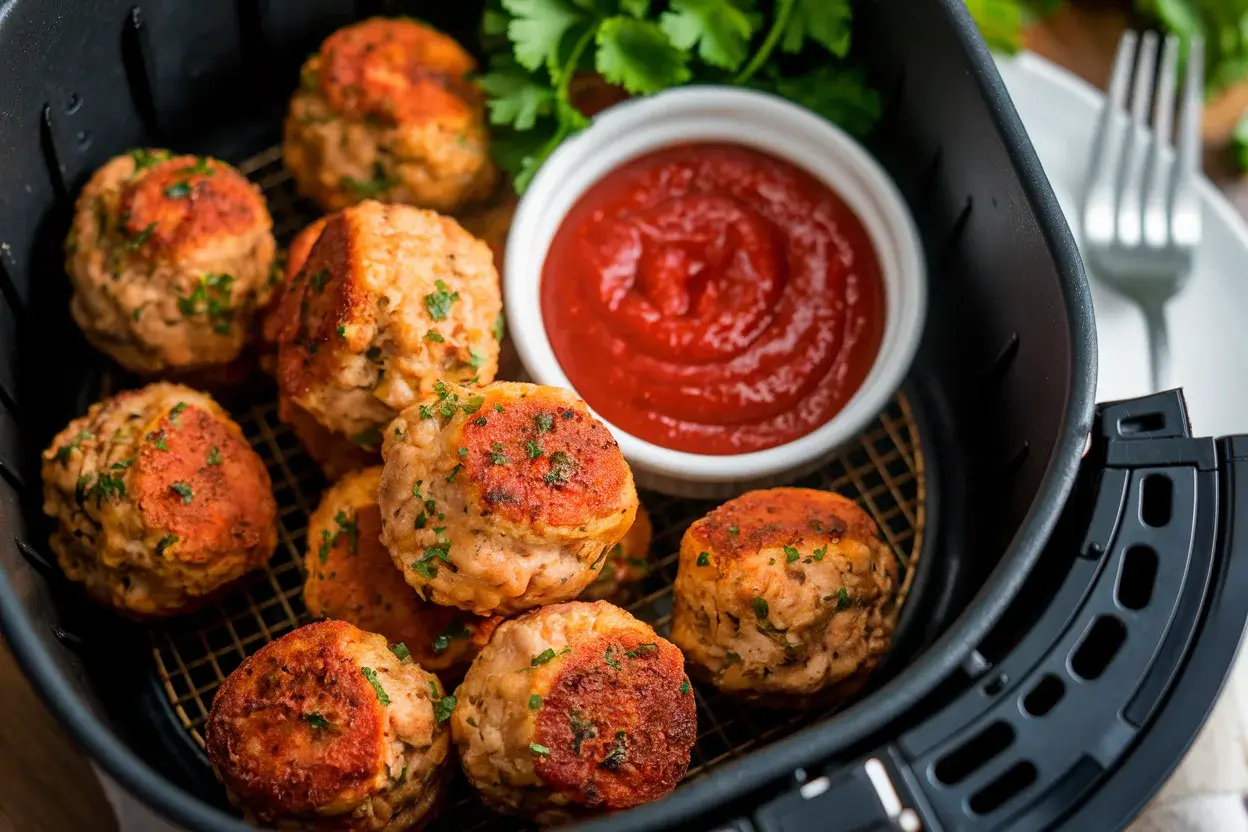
x=516, y=98
x=371, y=676
x=826, y=22
x=438, y=303
x=214, y=456
x=434, y=336
x=733, y=530
x=638, y=56
x=790, y=554
x=704, y=558
x=454, y=472
x=641, y=649
x=63, y=453
x=761, y=610
x=455, y=630
x=145, y=158
x=539, y=749
x=820, y=552
x=379, y=184
x=500, y=328
x=178, y=190
x=443, y=706
x=165, y=542
x=610, y=659
x=316, y=720
x=721, y=29
x=543, y=422
x=1239, y=141
x=535, y=702
x=123, y=464
x=425, y=569
x=400, y=651
x=497, y=456
x=843, y=601
x=562, y=467
x=537, y=28
x=684, y=687
x=184, y=491
x=532, y=449
x=731, y=658
x=840, y=95
x=542, y=657
x=348, y=528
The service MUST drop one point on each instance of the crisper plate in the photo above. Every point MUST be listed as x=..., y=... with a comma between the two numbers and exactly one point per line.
x=883, y=471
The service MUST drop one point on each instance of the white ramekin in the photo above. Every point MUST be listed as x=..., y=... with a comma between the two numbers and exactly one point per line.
x=784, y=130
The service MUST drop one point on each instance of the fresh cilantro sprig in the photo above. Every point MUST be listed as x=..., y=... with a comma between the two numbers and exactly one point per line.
x=647, y=46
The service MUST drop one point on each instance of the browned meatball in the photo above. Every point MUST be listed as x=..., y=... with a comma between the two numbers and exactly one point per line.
x=390, y=299
x=387, y=111
x=574, y=709
x=159, y=500
x=783, y=596
x=502, y=498
x=627, y=565
x=170, y=258
x=327, y=729
x=351, y=577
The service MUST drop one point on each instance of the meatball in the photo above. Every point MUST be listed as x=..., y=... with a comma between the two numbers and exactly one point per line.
x=328, y=729
x=628, y=563
x=158, y=500
x=387, y=111
x=503, y=498
x=784, y=597
x=390, y=299
x=170, y=257
x=351, y=577
x=574, y=709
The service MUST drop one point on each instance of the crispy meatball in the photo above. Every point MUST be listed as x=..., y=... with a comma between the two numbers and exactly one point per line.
x=352, y=578
x=574, y=709
x=783, y=596
x=628, y=563
x=170, y=257
x=390, y=299
x=387, y=111
x=327, y=729
x=503, y=498
x=158, y=499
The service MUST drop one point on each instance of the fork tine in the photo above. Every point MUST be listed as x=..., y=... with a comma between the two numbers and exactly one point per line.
x=1185, y=221
x=1101, y=200
x=1156, y=195
x=1131, y=201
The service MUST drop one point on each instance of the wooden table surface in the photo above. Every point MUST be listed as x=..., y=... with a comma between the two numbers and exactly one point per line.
x=46, y=784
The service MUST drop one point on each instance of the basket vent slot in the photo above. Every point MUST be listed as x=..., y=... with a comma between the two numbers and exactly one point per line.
x=1045, y=696
x=1138, y=577
x=1004, y=789
x=1156, y=500
x=972, y=755
x=1098, y=648
x=1141, y=423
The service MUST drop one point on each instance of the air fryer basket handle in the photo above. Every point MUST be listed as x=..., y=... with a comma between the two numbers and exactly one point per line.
x=1150, y=595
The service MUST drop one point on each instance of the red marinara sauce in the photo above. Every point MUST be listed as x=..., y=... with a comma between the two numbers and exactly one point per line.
x=713, y=299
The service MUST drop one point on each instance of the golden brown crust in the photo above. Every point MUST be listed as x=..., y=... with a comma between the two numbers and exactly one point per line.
x=562, y=465
x=159, y=500
x=619, y=721
x=390, y=299
x=352, y=578
x=784, y=597
x=387, y=110
x=627, y=565
x=265, y=734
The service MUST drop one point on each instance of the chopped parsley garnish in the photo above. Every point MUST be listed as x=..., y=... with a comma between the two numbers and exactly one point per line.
x=316, y=720
x=843, y=601
x=144, y=158
x=342, y=331
x=480, y=421
x=63, y=452
x=122, y=464
x=497, y=456
x=136, y=242
x=400, y=651
x=684, y=687
x=425, y=569
x=463, y=451
x=178, y=190
x=438, y=303
x=184, y=491
x=165, y=542
x=444, y=707
x=211, y=298
x=416, y=490
x=371, y=676
x=368, y=439
x=733, y=530
x=454, y=472
x=820, y=552
x=761, y=609
x=379, y=184
x=582, y=730
x=475, y=360
x=473, y=404
x=173, y=413
x=327, y=542
x=535, y=701
x=318, y=279
x=201, y=166
x=422, y=520
x=348, y=527
x=107, y=487
x=454, y=630
x=640, y=649
x=539, y=749
x=214, y=456
x=610, y=659
x=434, y=336
x=157, y=438
x=499, y=328
x=542, y=657
x=561, y=468
x=730, y=659
x=544, y=422
x=498, y=407
x=532, y=449
x=791, y=554
x=618, y=755
x=471, y=722
x=704, y=558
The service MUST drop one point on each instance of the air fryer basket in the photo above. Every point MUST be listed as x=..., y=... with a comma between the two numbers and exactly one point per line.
x=970, y=468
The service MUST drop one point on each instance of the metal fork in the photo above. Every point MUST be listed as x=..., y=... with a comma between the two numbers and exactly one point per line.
x=1141, y=216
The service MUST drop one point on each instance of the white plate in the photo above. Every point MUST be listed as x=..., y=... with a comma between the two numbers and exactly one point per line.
x=1208, y=335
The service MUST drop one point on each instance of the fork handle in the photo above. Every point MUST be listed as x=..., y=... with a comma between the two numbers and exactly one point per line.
x=1158, y=346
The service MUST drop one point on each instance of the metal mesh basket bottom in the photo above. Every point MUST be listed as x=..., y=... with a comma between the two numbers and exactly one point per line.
x=883, y=470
